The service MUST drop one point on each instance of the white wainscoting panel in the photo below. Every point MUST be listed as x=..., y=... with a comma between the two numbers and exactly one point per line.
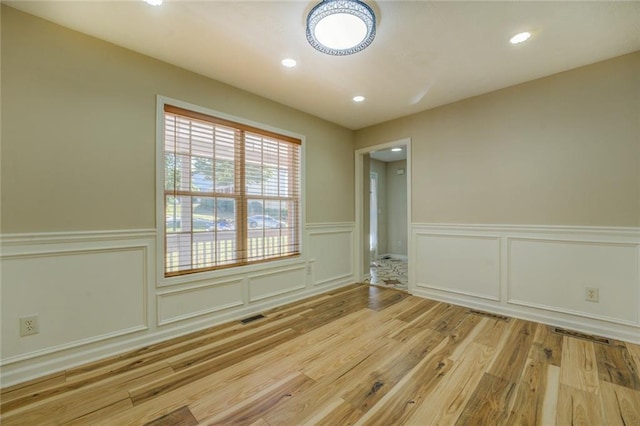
x=534, y=272
x=177, y=305
x=331, y=247
x=554, y=274
x=97, y=293
x=276, y=282
x=464, y=264
x=73, y=286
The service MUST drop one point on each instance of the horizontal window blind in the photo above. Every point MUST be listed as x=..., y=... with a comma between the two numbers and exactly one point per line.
x=231, y=193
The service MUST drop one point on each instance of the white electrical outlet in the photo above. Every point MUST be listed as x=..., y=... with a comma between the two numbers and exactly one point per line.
x=309, y=269
x=592, y=294
x=29, y=325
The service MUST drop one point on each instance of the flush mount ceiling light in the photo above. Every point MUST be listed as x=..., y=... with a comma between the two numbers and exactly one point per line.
x=341, y=27
x=153, y=2
x=358, y=98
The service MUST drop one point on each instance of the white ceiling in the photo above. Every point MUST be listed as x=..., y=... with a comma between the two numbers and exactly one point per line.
x=425, y=54
x=387, y=156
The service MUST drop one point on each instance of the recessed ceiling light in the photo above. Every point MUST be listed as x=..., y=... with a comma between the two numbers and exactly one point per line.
x=153, y=2
x=520, y=37
x=289, y=63
x=396, y=149
x=358, y=98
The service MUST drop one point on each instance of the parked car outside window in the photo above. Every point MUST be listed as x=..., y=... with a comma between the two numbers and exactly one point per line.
x=263, y=221
x=200, y=224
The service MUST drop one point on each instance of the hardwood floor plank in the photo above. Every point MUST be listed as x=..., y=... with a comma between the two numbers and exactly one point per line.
x=335, y=414
x=318, y=318
x=616, y=366
x=357, y=355
x=321, y=413
x=146, y=351
x=310, y=344
x=347, y=351
x=537, y=393
x=103, y=413
x=419, y=323
x=578, y=407
x=67, y=388
x=32, y=386
x=489, y=403
x=80, y=402
x=180, y=417
x=579, y=367
x=206, y=352
x=547, y=346
x=390, y=300
x=218, y=335
x=188, y=375
x=446, y=402
x=512, y=355
x=255, y=407
x=215, y=392
x=399, y=361
x=464, y=333
x=621, y=405
x=367, y=346
x=449, y=318
x=634, y=351
x=306, y=404
x=400, y=402
x=491, y=333
x=421, y=307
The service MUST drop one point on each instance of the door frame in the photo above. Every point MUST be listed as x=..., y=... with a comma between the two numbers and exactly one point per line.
x=373, y=176
x=359, y=190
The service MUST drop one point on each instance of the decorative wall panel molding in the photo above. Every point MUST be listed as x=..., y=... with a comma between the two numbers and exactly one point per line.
x=73, y=283
x=534, y=272
x=439, y=266
x=276, y=282
x=554, y=275
x=182, y=304
x=331, y=247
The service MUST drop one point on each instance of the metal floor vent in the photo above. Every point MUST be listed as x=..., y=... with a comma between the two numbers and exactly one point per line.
x=578, y=335
x=490, y=315
x=253, y=318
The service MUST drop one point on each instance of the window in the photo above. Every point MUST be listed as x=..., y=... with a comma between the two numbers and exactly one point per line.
x=231, y=193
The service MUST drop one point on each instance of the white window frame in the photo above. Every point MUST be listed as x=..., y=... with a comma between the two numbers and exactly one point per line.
x=160, y=207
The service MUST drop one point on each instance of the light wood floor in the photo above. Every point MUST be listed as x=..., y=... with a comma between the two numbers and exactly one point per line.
x=359, y=355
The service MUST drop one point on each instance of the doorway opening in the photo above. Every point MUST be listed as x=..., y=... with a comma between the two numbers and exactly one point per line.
x=383, y=210
x=373, y=214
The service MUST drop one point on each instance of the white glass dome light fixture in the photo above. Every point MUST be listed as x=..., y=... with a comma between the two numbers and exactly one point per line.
x=341, y=27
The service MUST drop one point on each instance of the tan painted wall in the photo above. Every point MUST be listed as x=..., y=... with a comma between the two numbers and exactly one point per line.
x=78, y=132
x=562, y=150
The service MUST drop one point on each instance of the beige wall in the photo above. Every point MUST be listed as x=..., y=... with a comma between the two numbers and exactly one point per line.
x=396, y=223
x=562, y=150
x=78, y=134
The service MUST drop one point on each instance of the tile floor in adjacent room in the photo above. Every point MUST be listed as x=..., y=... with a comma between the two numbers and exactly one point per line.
x=389, y=271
